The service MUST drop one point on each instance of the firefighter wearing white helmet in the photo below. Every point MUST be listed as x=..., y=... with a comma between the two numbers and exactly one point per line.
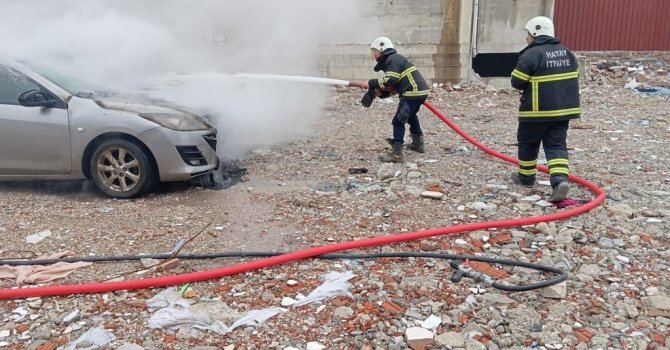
x=547, y=74
x=540, y=25
x=402, y=77
x=382, y=43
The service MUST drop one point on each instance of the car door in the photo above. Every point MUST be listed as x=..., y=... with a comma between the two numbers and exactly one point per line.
x=33, y=140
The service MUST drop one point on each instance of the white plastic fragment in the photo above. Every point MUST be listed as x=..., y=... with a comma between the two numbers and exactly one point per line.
x=315, y=346
x=38, y=237
x=97, y=337
x=286, y=301
x=431, y=322
x=335, y=284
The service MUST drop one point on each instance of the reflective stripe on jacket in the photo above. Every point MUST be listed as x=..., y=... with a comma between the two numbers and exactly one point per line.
x=402, y=75
x=547, y=72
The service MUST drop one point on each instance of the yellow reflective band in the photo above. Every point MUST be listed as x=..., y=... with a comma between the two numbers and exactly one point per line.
x=417, y=93
x=558, y=161
x=552, y=113
x=381, y=83
x=407, y=71
x=554, y=77
x=521, y=75
x=393, y=75
x=412, y=82
x=527, y=172
x=559, y=171
x=528, y=162
x=535, y=94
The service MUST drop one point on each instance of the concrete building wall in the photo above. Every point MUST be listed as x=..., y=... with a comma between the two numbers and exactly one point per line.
x=438, y=36
x=425, y=31
x=501, y=22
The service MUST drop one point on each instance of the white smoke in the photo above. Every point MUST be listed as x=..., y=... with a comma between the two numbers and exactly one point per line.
x=133, y=45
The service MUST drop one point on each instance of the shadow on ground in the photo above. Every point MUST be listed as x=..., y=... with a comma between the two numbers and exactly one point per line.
x=228, y=174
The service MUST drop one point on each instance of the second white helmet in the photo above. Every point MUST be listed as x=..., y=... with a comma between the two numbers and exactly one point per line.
x=540, y=25
x=382, y=43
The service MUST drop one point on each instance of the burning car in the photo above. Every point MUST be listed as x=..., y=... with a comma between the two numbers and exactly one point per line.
x=49, y=131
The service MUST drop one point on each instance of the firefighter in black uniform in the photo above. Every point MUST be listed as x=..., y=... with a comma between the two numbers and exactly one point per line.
x=400, y=76
x=547, y=73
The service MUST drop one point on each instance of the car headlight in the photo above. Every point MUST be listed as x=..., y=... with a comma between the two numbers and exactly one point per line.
x=179, y=122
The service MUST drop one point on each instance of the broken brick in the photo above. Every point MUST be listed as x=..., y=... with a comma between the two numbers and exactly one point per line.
x=501, y=238
x=341, y=301
x=488, y=269
x=169, y=265
x=169, y=338
x=658, y=338
x=47, y=346
x=393, y=307
x=584, y=335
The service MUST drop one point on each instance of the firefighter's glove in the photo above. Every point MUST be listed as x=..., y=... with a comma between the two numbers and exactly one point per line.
x=367, y=99
x=384, y=94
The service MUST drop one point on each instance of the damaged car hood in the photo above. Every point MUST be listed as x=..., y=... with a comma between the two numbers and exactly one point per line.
x=138, y=108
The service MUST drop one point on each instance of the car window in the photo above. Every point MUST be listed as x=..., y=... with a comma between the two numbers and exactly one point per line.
x=13, y=84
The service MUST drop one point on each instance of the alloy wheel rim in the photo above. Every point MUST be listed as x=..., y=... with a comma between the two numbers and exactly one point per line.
x=118, y=169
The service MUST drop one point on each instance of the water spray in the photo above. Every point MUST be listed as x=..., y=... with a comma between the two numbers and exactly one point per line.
x=245, y=77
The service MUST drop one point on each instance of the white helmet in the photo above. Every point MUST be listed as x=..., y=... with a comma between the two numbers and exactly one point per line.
x=540, y=25
x=382, y=43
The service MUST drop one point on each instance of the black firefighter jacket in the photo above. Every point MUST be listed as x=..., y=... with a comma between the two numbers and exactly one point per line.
x=400, y=74
x=547, y=73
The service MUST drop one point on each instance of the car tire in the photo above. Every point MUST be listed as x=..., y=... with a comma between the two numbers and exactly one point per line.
x=121, y=169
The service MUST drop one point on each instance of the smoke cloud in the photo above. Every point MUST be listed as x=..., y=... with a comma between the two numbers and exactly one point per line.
x=181, y=50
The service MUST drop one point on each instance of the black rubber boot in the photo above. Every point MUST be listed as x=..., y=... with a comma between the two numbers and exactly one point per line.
x=417, y=144
x=395, y=156
x=523, y=180
x=560, y=188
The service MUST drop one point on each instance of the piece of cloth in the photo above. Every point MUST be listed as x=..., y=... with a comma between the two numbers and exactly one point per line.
x=406, y=113
x=34, y=274
x=401, y=74
x=547, y=73
x=569, y=202
x=552, y=136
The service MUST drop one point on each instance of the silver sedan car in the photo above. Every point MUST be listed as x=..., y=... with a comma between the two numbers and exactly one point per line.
x=50, y=133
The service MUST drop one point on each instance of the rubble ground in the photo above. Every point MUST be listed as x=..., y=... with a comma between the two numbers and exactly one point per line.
x=301, y=194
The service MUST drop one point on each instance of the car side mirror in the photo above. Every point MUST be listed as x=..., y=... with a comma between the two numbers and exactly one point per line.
x=36, y=98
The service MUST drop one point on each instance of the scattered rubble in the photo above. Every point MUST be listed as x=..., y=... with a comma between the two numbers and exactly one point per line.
x=314, y=191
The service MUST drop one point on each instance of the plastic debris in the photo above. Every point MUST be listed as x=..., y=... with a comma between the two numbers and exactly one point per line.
x=431, y=322
x=38, y=237
x=96, y=337
x=180, y=314
x=175, y=311
x=165, y=298
x=335, y=284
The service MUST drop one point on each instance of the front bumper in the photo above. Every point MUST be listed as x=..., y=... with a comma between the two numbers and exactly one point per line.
x=182, y=155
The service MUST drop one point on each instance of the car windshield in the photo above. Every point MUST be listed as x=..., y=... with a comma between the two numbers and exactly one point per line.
x=88, y=90
x=68, y=83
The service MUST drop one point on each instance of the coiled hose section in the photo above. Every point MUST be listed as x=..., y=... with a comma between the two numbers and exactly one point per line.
x=169, y=280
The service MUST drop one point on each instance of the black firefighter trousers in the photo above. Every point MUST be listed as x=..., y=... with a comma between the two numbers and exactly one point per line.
x=552, y=135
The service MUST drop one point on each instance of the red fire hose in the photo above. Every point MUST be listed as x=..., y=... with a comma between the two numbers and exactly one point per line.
x=170, y=280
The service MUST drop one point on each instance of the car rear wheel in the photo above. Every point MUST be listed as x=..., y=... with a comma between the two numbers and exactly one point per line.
x=121, y=169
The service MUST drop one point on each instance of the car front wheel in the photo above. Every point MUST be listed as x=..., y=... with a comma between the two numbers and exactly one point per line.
x=121, y=169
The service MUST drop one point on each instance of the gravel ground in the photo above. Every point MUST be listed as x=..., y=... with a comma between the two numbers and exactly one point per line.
x=300, y=194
